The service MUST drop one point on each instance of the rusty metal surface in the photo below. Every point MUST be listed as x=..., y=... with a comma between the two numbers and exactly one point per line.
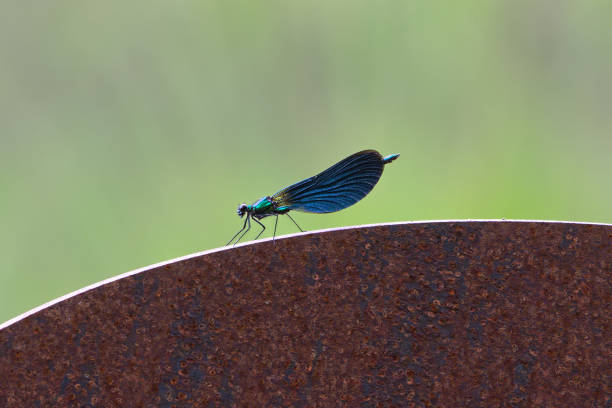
x=425, y=314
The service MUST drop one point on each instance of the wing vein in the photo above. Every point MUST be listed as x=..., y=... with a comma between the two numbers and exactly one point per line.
x=336, y=188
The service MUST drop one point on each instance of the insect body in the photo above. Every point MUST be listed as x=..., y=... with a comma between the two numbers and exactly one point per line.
x=334, y=189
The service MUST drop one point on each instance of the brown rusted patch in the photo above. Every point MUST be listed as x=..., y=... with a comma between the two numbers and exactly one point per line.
x=427, y=314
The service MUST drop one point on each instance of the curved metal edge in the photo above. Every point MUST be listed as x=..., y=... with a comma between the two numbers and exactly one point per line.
x=227, y=248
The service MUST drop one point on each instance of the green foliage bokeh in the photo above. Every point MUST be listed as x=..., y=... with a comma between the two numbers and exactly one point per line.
x=130, y=132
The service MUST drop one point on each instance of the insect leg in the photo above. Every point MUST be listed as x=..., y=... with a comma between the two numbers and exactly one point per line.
x=242, y=229
x=262, y=226
x=296, y=224
x=275, y=224
x=247, y=230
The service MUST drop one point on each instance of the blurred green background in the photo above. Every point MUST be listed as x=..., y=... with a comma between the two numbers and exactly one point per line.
x=130, y=132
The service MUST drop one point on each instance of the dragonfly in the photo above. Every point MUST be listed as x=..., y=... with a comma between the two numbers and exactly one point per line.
x=334, y=189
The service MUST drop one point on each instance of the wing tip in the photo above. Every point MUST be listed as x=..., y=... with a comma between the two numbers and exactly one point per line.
x=390, y=158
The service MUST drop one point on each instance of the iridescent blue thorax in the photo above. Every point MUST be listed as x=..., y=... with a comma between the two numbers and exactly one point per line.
x=264, y=207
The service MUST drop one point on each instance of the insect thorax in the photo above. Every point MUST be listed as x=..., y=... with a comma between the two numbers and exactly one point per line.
x=263, y=206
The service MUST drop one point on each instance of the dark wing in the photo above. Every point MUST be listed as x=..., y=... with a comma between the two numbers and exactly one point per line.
x=338, y=187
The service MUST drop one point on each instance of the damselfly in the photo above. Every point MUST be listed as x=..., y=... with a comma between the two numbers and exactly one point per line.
x=336, y=188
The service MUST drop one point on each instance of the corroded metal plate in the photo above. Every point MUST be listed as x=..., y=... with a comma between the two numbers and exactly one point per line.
x=418, y=314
